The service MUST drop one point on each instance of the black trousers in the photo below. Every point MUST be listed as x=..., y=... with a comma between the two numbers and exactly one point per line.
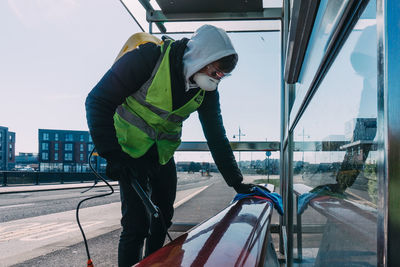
x=160, y=183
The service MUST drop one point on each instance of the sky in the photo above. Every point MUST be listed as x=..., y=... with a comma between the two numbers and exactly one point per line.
x=54, y=52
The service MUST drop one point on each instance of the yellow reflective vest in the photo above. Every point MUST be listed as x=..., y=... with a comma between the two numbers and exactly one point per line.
x=146, y=117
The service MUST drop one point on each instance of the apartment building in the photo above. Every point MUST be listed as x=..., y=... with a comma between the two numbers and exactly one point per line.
x=7, y=149
x=66, y=151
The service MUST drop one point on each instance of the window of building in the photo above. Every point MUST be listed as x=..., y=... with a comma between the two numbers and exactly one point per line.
x=10, y=156
x=90, y=147
x=45, y=156
x=55, y=156
x=69, y=137
x=10, y=138
x=56, y=146
x=68, y=147
x=10, y=146
x=68, y=156
x=81, y=147
x=45, y=146
x=90, y=138
x=56, y=136
x=45, y=136
x=81, y=156
x=81, y=137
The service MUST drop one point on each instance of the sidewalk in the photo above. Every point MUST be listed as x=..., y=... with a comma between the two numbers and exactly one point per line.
x=47, y=187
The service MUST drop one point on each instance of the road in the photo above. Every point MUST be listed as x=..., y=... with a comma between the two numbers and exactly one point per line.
x=39, y=228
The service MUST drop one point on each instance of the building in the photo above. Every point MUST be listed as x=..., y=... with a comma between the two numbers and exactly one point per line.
x=7, y=149
x=66, y=151
x=26, y=161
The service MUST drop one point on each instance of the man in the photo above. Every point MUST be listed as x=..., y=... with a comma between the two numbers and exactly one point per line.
x=135, y=116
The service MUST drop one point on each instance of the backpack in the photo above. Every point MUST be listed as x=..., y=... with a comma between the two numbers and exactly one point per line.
x=138, y=39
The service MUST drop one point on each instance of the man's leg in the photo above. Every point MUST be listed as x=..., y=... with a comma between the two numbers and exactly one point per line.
x=135, y=225
x=163, y=195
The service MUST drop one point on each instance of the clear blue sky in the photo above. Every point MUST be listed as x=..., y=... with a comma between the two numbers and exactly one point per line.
x=53, y=53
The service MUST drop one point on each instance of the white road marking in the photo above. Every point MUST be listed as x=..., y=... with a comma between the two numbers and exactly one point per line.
x=56, y=231
x=40, y=231
x=180, y=202
x=17, y=205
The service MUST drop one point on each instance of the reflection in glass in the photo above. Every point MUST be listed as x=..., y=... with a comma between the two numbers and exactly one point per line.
x=335, y=161
x=328, y=16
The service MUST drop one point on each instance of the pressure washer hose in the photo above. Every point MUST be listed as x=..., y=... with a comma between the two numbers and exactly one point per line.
x=89, y=262
x=153, y=210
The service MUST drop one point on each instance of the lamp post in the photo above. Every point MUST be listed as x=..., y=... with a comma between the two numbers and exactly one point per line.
x=302, y=146
x=268, y=154
x=239, y=135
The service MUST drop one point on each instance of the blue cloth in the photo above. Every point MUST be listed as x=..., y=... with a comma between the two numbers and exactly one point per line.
x=258, y=191
x=304, y=199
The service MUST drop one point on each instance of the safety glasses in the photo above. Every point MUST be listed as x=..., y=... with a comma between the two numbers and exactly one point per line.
x=216, y=73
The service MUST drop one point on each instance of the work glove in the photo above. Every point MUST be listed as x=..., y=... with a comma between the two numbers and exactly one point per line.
x=119, y=165
x=243, y=188
x=334, y=188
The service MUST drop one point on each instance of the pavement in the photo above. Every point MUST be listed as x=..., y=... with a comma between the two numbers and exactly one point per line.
x=48, y=187
x=36, y=237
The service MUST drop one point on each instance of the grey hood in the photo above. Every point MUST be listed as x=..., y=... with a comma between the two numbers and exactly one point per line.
x=207, y=45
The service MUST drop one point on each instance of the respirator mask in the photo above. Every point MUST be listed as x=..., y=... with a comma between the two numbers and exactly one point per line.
x=205, y=82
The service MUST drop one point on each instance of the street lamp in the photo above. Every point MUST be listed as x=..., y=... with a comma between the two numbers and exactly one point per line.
x=239, y=135
x=302, y=146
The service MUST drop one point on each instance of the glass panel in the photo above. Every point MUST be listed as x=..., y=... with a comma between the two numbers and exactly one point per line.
x=326, y=21
x=335, y=161
x=250, y=98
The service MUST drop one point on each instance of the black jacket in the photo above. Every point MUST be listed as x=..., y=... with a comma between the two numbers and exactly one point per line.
x=127, y=75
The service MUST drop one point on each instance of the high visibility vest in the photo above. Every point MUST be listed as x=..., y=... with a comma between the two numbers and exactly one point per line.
x=146, y=117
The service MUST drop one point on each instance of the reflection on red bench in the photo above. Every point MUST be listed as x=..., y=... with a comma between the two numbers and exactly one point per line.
x=237, y=236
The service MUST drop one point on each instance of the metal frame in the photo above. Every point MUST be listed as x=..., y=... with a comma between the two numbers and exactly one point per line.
x=301, y=25
x=266, y=14
x=149, y=8
x=236, y=146
x=388, y=19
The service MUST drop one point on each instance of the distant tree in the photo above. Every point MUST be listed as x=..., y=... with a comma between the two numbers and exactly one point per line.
x=194, y=167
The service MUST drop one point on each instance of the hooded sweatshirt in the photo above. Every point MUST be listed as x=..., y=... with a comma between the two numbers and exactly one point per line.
x=208, y=44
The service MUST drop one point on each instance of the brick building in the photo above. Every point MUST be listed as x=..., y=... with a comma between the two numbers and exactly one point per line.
x=66, y=151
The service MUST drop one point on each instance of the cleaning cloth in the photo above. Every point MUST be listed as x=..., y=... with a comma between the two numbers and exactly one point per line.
x=263, y=192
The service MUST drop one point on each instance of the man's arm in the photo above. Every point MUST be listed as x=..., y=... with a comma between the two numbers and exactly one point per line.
x=214, y=131
x=124, y=78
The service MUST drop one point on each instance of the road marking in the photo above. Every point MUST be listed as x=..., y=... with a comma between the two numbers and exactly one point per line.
x=40, y=231
x=180, y=202
x=17, y=205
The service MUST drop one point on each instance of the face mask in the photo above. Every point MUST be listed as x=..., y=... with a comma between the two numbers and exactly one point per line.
x=205, y=82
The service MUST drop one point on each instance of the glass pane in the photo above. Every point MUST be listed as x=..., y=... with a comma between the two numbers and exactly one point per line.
x=250, y=97
x=326, y=21
x=335, y=161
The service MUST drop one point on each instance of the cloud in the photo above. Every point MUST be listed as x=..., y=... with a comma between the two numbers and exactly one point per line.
x=34, y=13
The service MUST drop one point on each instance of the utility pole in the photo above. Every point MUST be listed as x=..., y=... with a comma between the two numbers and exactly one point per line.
x=239, y=135
x=302, y=146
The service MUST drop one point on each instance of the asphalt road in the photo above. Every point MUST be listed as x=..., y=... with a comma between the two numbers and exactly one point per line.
x=28, y=221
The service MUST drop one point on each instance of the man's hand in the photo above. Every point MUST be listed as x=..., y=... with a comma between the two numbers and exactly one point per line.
x=118, y=165
x=243, y=188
